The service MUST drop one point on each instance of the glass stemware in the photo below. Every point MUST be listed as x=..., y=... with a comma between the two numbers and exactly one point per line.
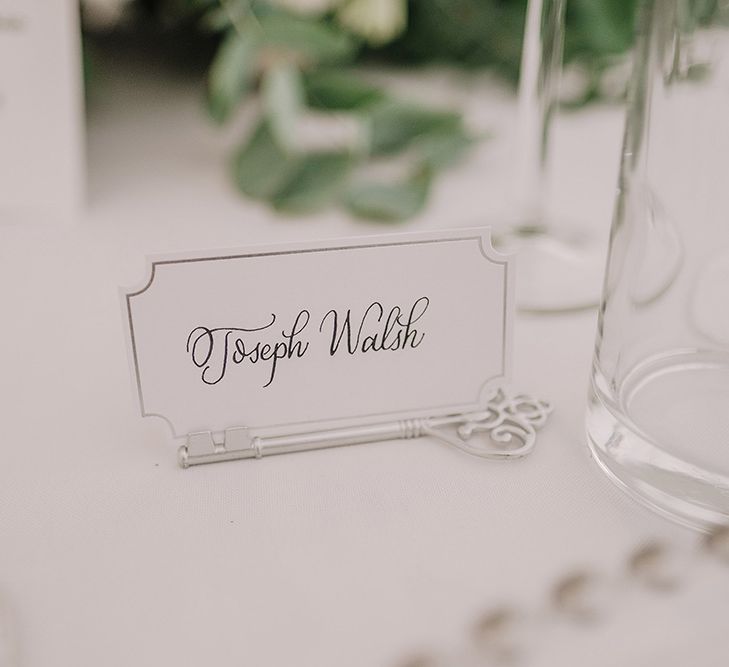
x=658, y=416
x=559, y=268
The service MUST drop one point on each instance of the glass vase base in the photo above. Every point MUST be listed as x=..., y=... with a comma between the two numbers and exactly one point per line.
x=664, y=438
x=555, y=273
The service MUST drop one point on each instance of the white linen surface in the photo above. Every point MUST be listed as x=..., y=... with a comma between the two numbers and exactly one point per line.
x=111, y=555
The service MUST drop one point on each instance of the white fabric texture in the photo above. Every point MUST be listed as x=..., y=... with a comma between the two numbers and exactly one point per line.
x=112, y=555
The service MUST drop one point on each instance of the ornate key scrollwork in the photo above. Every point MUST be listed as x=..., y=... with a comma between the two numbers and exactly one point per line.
x=510, y=423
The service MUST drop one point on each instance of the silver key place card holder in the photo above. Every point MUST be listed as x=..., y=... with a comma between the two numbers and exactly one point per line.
x=280, y=349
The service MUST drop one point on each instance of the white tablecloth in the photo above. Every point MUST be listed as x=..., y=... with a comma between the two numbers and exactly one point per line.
x=112, y=555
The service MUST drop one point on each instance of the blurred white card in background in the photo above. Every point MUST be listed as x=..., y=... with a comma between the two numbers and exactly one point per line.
x=41, y=110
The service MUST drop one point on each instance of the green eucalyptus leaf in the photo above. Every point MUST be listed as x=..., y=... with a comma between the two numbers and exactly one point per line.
x=231, y=74
x=219, y=16
x=217, y=19
x=340, y=91
x=283, y=99
x=317, y=181
x=441, y=149
x=388, y=202
x=316, y=41
x=261, y=167
x=605, y=27
x=394, y=125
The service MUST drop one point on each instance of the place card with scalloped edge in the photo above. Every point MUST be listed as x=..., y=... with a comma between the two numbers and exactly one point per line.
x=285, y=348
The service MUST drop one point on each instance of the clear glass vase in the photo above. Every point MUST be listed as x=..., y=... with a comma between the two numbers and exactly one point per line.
x=658, y=415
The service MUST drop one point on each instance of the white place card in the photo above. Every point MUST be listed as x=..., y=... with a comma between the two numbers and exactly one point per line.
x=41, y=122
x=289, y=339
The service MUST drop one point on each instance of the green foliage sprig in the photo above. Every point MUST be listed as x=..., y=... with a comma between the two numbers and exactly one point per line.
x=301, y=65
x=476, y=33
x=299, y=57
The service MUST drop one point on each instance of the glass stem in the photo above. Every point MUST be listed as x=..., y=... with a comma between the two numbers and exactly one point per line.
x=538, y=84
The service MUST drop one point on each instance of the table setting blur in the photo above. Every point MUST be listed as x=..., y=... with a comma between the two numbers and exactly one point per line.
x=588, y=136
